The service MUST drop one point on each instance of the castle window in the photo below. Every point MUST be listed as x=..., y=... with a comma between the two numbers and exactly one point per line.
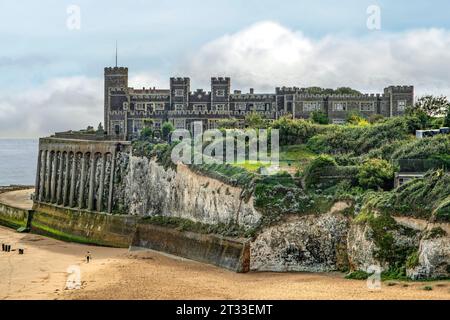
x=259, y=106
x=367, y=106
x=159, y=106
x=179, y=92
x=138, y=125
x=199, y=107
x=220, y=93
x=179, y=106
x=340, y=106
x=213, y=124
x=179, y=123
x=240, y=106
x=140, y=106
x=157, y=124
x=311, y=106
x=125, y=106
x=219, y=107
x=401, y=105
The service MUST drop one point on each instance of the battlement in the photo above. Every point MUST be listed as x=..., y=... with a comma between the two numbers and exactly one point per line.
x=116, y=70
x=252, y=96
x=200, y=91
x=148, y=91
x=286, y=90
x=223, y=80
x=354, y=96
x=179, y=80
x=399, y=89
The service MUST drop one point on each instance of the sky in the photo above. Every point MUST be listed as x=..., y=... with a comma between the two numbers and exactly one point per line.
x=53, y=51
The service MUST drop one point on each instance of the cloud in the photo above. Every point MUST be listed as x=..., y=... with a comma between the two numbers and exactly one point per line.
x=147, y=80
x=59, y=104
x=268, y=54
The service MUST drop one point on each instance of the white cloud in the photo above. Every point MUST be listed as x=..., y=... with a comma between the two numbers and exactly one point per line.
x=267, y=54
x=147, y=80
x=57, y=105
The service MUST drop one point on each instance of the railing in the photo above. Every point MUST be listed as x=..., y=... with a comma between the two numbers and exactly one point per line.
x=423, y=165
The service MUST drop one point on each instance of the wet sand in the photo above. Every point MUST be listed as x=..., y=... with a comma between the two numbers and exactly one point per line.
x=19, y=198
x=42, y=273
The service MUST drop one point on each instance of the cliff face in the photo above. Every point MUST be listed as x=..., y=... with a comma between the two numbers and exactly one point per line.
x=314, y=242
x=302, y=243
x=150, y=190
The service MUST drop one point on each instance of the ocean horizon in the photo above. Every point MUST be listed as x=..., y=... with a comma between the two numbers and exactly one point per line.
x=18, y=160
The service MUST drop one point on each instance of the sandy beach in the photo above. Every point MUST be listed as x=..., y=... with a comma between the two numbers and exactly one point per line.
x=42, y=273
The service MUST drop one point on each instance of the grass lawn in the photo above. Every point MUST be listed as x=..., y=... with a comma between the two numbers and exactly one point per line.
x=292, y=158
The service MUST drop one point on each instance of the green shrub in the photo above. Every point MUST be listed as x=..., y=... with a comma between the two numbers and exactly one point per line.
x=297, y=131
x=359, y=140
x=375, y=174
x=413, y=260
x=166, y=129
x=319, y=117
x=358, y=275
x=313, y=170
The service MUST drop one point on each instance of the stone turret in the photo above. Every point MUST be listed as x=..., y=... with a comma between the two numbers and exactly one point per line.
x=114, y=77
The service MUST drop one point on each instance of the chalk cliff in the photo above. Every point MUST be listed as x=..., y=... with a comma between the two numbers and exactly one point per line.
x=151, y=190
x=333, y=240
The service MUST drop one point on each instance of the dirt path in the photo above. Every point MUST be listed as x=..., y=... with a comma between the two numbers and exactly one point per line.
x=19, y=199
x=41, y=273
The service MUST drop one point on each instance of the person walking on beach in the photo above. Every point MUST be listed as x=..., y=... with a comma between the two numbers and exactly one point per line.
x=88, y=257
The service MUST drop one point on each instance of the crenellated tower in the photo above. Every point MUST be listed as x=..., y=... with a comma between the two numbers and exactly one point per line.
x=115, y=77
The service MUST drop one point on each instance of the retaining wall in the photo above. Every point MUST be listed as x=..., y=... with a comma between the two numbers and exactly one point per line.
x=83, y=226
x=232, y=254
x=13, y=217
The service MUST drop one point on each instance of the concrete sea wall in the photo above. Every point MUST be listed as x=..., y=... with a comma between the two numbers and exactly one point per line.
x=83, y=226
x=13, y=217
x=229, y=253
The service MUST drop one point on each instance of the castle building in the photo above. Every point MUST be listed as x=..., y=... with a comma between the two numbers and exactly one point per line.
x=128, y=110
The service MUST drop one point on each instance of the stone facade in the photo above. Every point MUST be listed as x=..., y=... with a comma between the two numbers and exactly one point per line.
x=78, y=174
x=128, y=110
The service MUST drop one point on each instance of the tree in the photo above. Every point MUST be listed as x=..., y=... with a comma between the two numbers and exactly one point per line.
x=319, y=117
x=166, y=130
x=433, y=106
x=375, y=174
x=346, y=90
x=374, y=118
x=229, y=123
x=356, y=119
x=311, y=175
x=447, y=119
x=255, y=120
x=146, y=133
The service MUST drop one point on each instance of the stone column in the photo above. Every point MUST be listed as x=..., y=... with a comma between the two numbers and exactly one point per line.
x=82, y=179
x=60, y=179
x=111, y=182
x=91, y=182
x=72, y=180
x=37, y=184
x=42, y=175
x=66, y=179
x=53, y=180
x=48, y=172
x=102, y=184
